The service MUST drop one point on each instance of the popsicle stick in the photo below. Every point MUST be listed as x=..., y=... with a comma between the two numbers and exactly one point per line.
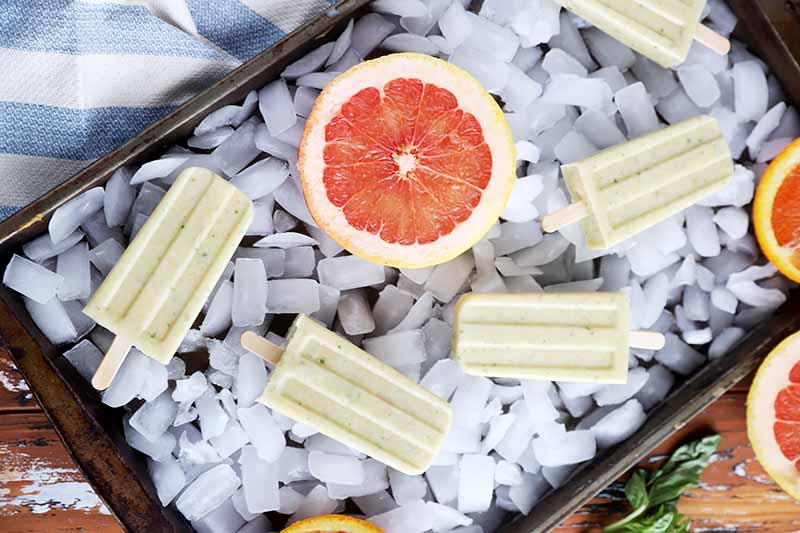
x=646, y=340
x=260, y=346
x=564, y=217
x=711, y=39
x=110, y=364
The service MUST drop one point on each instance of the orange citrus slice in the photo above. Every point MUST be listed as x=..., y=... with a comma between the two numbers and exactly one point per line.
x=773, y=415
x=332, y=523
x=776, y=211
x=406, y=160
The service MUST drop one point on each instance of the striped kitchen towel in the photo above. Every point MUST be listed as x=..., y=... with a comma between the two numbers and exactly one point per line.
x=80, y=77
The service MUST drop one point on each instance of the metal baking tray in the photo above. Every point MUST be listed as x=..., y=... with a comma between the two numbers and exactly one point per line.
x=92, y=432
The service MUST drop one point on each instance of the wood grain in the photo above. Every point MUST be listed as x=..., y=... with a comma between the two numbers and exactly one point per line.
x=41, y=489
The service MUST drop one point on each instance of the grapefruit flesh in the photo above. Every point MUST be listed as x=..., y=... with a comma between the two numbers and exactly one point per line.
x=776, y=211
x=773, y=415
x=406, y=160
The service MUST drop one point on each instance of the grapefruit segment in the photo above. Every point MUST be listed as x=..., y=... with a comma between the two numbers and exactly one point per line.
x=776, y=211
x=773, y=414
x=406, y=160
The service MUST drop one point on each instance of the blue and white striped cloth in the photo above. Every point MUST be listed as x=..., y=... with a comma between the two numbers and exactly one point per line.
x=80, y=77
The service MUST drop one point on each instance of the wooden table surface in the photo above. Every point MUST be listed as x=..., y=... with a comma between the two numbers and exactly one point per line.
x=41, y=489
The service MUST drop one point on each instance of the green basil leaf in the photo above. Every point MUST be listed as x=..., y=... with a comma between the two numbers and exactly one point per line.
x=636, y=492
x=682, y=470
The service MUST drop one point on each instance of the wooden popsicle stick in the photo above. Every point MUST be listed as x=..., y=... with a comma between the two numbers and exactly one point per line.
x=564, y=217
x=711, y=39
x=110, y=364
x=646, y=340
x=260, y=346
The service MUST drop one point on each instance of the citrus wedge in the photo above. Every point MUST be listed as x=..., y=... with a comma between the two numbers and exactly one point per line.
x=406, y=160
x=776, y=212
x=773, y=415
x=332, y=523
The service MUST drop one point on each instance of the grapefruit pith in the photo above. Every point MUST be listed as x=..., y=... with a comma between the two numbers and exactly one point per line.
x=332, y=523
x=773, y=415
x=776, y=211
x=406, y=160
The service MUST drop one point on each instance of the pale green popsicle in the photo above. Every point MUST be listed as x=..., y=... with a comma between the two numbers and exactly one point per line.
x=326, y=382
x=662, y=30
x=157, y=288
x=623, y=190
x=576, y=336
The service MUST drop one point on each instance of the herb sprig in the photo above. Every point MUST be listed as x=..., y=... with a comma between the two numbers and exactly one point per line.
x=654, y=497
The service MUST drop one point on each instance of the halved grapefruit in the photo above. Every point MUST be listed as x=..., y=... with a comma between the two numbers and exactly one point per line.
x=776, y=211
x=773, y=415
x=332, y=523
x=406, y=160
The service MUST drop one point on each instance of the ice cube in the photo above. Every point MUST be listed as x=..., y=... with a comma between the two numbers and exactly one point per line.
x=750, y=89
x=299, y=262
x=569, y=39
x=129, y=379
x=616, y=394
x=264, y=433
x=566, y=449
x=153, y=418
x=250, y=379
x=74, y=212
x=85, y=357
x=316, y=503
x=518, y=436
x=310, y=62
x=291, y=199
x=390, y=308
x=470, y=397
x=599, y=129
x=550, y=248
x=619, y=424
x=443, y=378
x=677, y=107
x=410, y=42
x=525, y=495
x=349, y=272
x=764, y=128
x=354, y=312
x=105, y=255
x=724, y=341
x=275, y=102
x=499, y=427
x=213, y=418
x=208, y=491
x=293, y=296
x=699, y=84
x=476, y=483
x=231, y=440
x=569, y=89
x=536, y=22
x=660, y=82
x=369, y=31
x=328, y=303
x=447, y=278
x=751, y=294
x=443, y=481
x=411, y=518
x=33, y=280
x=557, y=61
x=607, y=50
x=520, y=90
x=636, y=109
x=261, y=178
x=695, y=303
x=43, y=247
x=238, y=150
x=678, y=356
x=406, y=489
x=374, y=504
x=118, y=197
x=207, y=141
x=417, y=316
x=491, y=72
x=168, y=477
x=249, y=305
x=398, y=349
x=574, y=146
x=337, y=469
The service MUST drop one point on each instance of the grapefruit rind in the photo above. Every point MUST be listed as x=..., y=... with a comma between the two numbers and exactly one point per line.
x=771, y=181
x=471, y=96
x=333, y=523
x=771, y=378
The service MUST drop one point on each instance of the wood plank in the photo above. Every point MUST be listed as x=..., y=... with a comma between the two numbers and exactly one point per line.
x=14, y=392
x=41, y=488
x=736, y=494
